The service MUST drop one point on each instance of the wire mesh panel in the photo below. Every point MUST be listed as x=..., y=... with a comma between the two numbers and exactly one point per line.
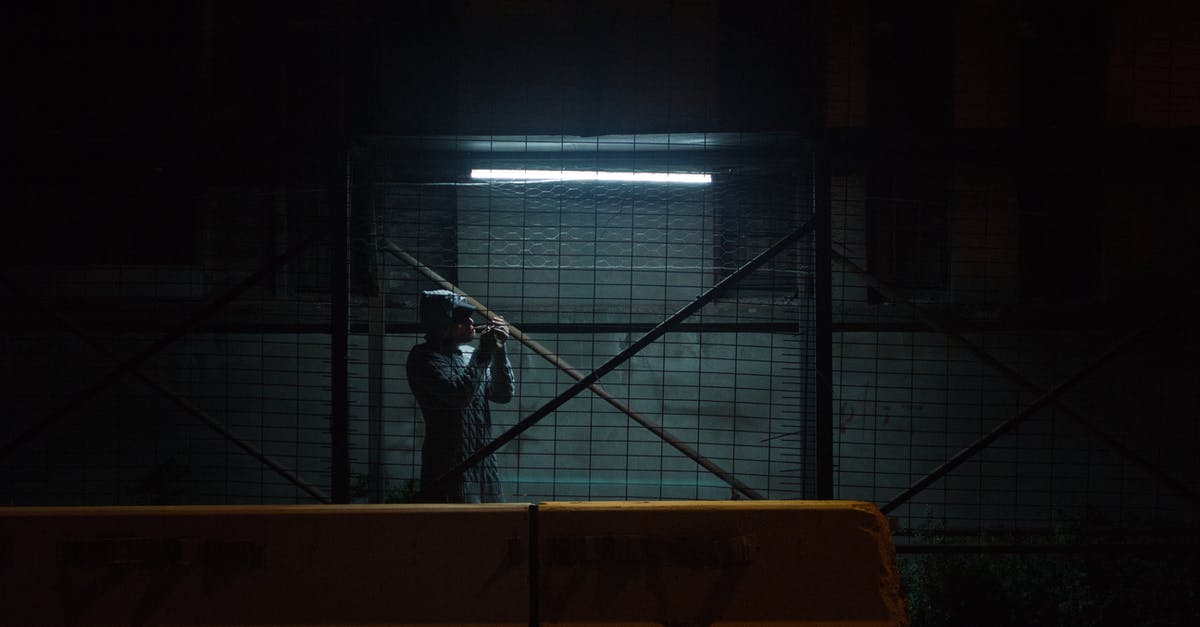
x=213, y=378
x=972, y=394
x=200, y=379
x=586, y=269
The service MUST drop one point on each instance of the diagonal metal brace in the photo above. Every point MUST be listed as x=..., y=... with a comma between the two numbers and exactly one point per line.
x=659, y=330
x=1048, y=397
x=175, y=397
x=135, y=362
x=1045, y=397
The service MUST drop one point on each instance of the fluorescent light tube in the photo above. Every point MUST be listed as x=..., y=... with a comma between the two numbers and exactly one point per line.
x=583, y=175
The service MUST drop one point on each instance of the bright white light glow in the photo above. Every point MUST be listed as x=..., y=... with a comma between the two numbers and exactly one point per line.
x=580, y=175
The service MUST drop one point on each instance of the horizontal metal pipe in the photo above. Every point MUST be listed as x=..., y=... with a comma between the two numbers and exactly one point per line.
x=322, y=328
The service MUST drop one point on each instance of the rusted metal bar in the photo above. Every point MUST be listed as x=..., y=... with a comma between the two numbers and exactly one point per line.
x=623, y=356
x=180, y=401
x=891, y=294
x=596, y=388
x=135, y=362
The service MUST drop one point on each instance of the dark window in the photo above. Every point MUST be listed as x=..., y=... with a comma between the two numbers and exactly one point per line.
x=1062, y=65
x=753, y=213
x=907, y=232
x=909, y=56
x=1059, y=235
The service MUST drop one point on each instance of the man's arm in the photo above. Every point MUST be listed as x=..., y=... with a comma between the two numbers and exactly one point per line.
x=434, y=375
x=503, y=383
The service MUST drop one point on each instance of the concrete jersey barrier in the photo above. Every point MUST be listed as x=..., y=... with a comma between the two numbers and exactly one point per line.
x=594, y=563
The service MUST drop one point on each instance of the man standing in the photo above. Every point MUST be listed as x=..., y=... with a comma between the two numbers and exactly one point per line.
x=453, y=383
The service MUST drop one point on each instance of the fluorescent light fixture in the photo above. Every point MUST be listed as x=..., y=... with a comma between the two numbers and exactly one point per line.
x=692, y=178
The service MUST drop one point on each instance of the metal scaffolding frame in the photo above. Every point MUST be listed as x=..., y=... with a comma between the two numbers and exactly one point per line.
x=339, y=445
x=590, y=380
x=339, y=329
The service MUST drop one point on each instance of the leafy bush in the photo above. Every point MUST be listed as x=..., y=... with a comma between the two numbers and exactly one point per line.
x=1060, y=581
x=394, y=491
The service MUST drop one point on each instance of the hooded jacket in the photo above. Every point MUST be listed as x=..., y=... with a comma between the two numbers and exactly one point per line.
x=453, y=384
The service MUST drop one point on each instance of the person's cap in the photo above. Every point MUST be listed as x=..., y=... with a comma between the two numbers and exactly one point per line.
x=439, y=308
x=462, y=313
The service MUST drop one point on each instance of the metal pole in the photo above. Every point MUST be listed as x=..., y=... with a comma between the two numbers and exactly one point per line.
x=596, y=388
x=824, y=319
x=339, y=345
x=822, y=179
x=377, y=333
x=659, y=330
x=179, y=400
x=142, y=357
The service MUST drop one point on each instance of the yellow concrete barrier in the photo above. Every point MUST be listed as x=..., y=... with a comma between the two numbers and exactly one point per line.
x=268, y=565
x=613, y=563
x=717, y=563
